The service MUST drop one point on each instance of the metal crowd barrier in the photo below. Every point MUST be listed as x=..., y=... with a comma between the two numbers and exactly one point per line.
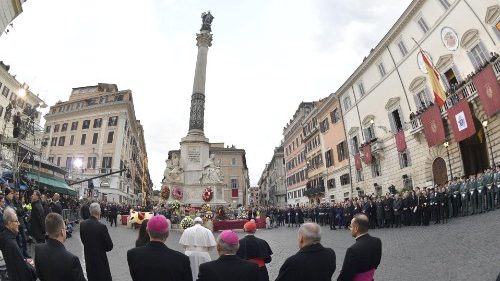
x=70, y=215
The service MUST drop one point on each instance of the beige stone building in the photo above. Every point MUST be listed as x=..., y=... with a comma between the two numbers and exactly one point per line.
x=335, y=172
x=272, y=181
x=315, y=164
x=233, y=164
x=96, y=132
x=253, y=196
x=388, y=92
x=295, y=155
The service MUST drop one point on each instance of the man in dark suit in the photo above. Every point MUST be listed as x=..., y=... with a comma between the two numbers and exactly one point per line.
x=56, y=205
x=17, y=268
x=229, y=266
x=37, y=221
x=361, y=259
x=255, y=250
x=313, y=261
x=156, y=261
x=52, y=261
x=113, y=213
x=96, y=242
x=85, y=212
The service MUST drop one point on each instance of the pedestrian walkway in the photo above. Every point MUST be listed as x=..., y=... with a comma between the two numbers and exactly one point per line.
x=464, y=249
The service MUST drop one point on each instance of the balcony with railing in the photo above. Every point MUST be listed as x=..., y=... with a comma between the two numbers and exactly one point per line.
x=315, y=187
x=467, y=91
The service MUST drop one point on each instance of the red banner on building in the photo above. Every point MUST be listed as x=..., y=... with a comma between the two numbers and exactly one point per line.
x=400, y=141
x=433, y=126
x=357, y=161
x=461, y=120
x=488, y=90
x=367, y=152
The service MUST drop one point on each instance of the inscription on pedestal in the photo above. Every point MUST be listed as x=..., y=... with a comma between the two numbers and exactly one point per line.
x=193, y=154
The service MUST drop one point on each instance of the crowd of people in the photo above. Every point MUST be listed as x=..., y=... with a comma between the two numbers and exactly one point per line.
x=245, y=259
x=420, y=206
x=452, y=94
x=39, y=219
x=242, y=259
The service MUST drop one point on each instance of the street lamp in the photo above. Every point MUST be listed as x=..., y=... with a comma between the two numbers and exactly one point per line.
x=485, y=125
x=78, y=163
x=21, y=93
x=446, y=144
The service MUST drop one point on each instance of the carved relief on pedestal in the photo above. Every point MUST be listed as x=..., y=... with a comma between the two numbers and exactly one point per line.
x=173, y=172
x=212, y=173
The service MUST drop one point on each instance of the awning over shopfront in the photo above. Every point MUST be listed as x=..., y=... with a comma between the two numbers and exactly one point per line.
x=52, y=184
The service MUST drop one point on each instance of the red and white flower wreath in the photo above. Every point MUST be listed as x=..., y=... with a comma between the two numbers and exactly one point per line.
x=207, y=194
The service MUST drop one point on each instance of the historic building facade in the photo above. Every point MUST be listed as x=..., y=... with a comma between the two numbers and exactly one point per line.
x=253, y=195
x=369, y=134
x=272, y=181
x=96, y=132
x=295, y=156
x=315, y=161
x=336, y=176
x=384, y=99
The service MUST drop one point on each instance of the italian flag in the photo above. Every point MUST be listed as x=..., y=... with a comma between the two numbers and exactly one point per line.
x=437, y=89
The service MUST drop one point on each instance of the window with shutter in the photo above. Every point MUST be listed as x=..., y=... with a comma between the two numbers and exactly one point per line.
x=402, y=48
x=392, y=123
x=397, y=119
x=359, y=175
x=445, y=81
x=354, y=145
x=457, y=73
x=423, y=25
x=446, y=5
x=478, y=56
x=361, y=88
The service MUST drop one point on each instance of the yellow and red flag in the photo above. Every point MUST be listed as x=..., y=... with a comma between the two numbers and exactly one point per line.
x=437, y=89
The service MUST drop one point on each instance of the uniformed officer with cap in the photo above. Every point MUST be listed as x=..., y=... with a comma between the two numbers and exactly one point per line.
x=481, y=191
x=464, y=191
x=472, y=189
x=490, y=196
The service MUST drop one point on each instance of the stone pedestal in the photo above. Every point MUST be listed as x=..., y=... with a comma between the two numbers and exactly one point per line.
x=194, y=155
x=193, y=195
x=195, y=161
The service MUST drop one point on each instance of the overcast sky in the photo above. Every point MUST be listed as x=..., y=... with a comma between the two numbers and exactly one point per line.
x=267, y=56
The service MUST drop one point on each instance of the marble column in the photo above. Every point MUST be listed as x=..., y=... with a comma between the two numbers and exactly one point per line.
x=196, y=118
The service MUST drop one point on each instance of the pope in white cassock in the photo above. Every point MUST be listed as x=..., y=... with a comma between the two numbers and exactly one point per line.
x=198, y=241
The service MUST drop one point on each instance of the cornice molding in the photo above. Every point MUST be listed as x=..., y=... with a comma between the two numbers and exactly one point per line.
x=444, y=61
x=417, y=83
x=492, y=13
x=392, y=102
x=469, y=37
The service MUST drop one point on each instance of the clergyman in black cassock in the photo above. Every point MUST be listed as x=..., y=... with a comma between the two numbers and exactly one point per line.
x=96, y=242
x=255, y=250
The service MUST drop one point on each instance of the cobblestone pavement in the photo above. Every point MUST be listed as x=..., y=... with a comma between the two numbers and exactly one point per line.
x=464, y=249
